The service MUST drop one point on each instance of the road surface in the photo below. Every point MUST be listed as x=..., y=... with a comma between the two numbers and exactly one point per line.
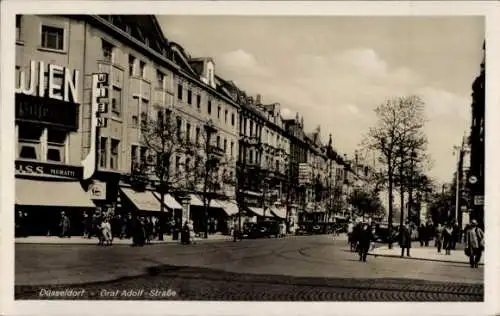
x=309, y=268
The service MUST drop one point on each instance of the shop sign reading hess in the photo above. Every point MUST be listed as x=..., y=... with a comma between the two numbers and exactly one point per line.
x=49, y=76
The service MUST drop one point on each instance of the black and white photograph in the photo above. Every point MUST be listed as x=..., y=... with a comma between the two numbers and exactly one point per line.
x=260, y=157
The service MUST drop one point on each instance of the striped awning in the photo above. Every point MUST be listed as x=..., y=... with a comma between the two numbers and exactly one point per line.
x=279, y=212
x=143, y=201
x=230, y=207
x=169, y=201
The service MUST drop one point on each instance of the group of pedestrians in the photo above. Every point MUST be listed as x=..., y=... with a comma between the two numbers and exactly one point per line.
x=361, y=238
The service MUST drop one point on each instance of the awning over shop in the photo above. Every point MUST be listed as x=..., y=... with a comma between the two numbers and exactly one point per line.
x=279, y=212
x=195, y=200
x=31, y=192
x=260, y=212
x=230, y=207
x=169, y=201
x=144, y=201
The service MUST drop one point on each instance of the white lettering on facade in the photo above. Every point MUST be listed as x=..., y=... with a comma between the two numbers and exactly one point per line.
x=67, y=90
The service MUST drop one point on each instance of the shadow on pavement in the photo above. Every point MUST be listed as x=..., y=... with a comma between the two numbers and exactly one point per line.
x=192, y=283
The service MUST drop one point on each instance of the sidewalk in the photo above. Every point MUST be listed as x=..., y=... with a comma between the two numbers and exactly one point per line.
x=424, y=253
x=79, y=240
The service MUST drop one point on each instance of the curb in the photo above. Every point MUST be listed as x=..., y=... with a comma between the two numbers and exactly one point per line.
x=420, y=258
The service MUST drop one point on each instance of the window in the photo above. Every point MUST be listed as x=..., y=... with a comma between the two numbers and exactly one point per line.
x=209, y=107
x=177, y=163
x=116, y=101
x=18, y=27
x=197, y=136
x=218, y=141
x=225, y=116
x=179, y=127
x=107, y=51
x=232, y=119
x=133, y=156
x=103, y=159
x=160, y=78
x=160, y=119
x=30, y=142
x=131, y=65
x=114, y=154
x=225, y=146
x=188, y=163
x=251, y=128
x=198, y=101
x=218, y=112
x=179, y=91
x=143, y=154
x=135, y=121
x=232, y=149
x=144, y=119
x=190, y=96
x=250, y=158
x=52, y=37
x=142, y=68
x=56, y=140
x=188, y=132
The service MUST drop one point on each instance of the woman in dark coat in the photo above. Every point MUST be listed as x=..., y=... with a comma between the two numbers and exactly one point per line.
x=365, y=237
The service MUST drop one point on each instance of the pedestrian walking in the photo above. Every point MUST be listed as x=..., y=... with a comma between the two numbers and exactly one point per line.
x=429, y=232
x=350, y=230
x=405, y=239
x=422, y=235
x=191, y=232
x=106, y=231
x=439, y=237
x=448, y=238
x=364, y=240
x=64, y=226
x=474, y=244
x=456, y=235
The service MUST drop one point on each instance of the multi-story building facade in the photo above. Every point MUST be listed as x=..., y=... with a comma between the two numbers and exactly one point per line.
x=56, y=57
x=476, y=143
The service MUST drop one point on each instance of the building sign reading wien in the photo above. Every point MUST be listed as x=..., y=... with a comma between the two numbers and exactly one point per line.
x=38, y=168
x=48, y=94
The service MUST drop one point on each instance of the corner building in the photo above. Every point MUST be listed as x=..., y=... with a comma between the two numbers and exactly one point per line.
x=55, y=59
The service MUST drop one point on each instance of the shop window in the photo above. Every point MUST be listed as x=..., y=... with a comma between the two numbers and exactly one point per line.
x=52, y=37
x=107, y=51
x=56, y=140
x=30, y=142
x=116, y=101
x=103, y=157
x=114, y=153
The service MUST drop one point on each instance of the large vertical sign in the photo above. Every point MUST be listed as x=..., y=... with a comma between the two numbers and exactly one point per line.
x=99, y=103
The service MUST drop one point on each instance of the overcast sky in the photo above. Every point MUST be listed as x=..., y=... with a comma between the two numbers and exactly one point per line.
x=336, y=70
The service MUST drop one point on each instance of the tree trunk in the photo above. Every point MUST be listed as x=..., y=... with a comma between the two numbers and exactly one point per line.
x=391, y=197
x=162, y=210
x=402, y=197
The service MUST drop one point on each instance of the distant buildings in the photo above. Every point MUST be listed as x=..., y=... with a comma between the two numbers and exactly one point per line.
x=282, y=172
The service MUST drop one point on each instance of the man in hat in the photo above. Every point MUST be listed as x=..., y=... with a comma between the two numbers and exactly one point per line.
x=474, y=243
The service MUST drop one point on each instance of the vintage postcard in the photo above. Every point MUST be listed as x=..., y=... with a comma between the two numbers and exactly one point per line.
x=163, y=153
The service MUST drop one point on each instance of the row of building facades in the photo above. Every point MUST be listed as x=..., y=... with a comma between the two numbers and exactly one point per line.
x=282, y=170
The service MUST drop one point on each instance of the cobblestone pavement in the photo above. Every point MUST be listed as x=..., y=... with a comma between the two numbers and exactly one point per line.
x=306, y=268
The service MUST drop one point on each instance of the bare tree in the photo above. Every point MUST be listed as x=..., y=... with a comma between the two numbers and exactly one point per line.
x=398, y=129
x=165, y=143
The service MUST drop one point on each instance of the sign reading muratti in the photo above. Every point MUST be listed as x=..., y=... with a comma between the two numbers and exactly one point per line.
x=38, y=168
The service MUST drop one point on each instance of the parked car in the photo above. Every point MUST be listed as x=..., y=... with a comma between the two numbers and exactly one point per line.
x=261, y=230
